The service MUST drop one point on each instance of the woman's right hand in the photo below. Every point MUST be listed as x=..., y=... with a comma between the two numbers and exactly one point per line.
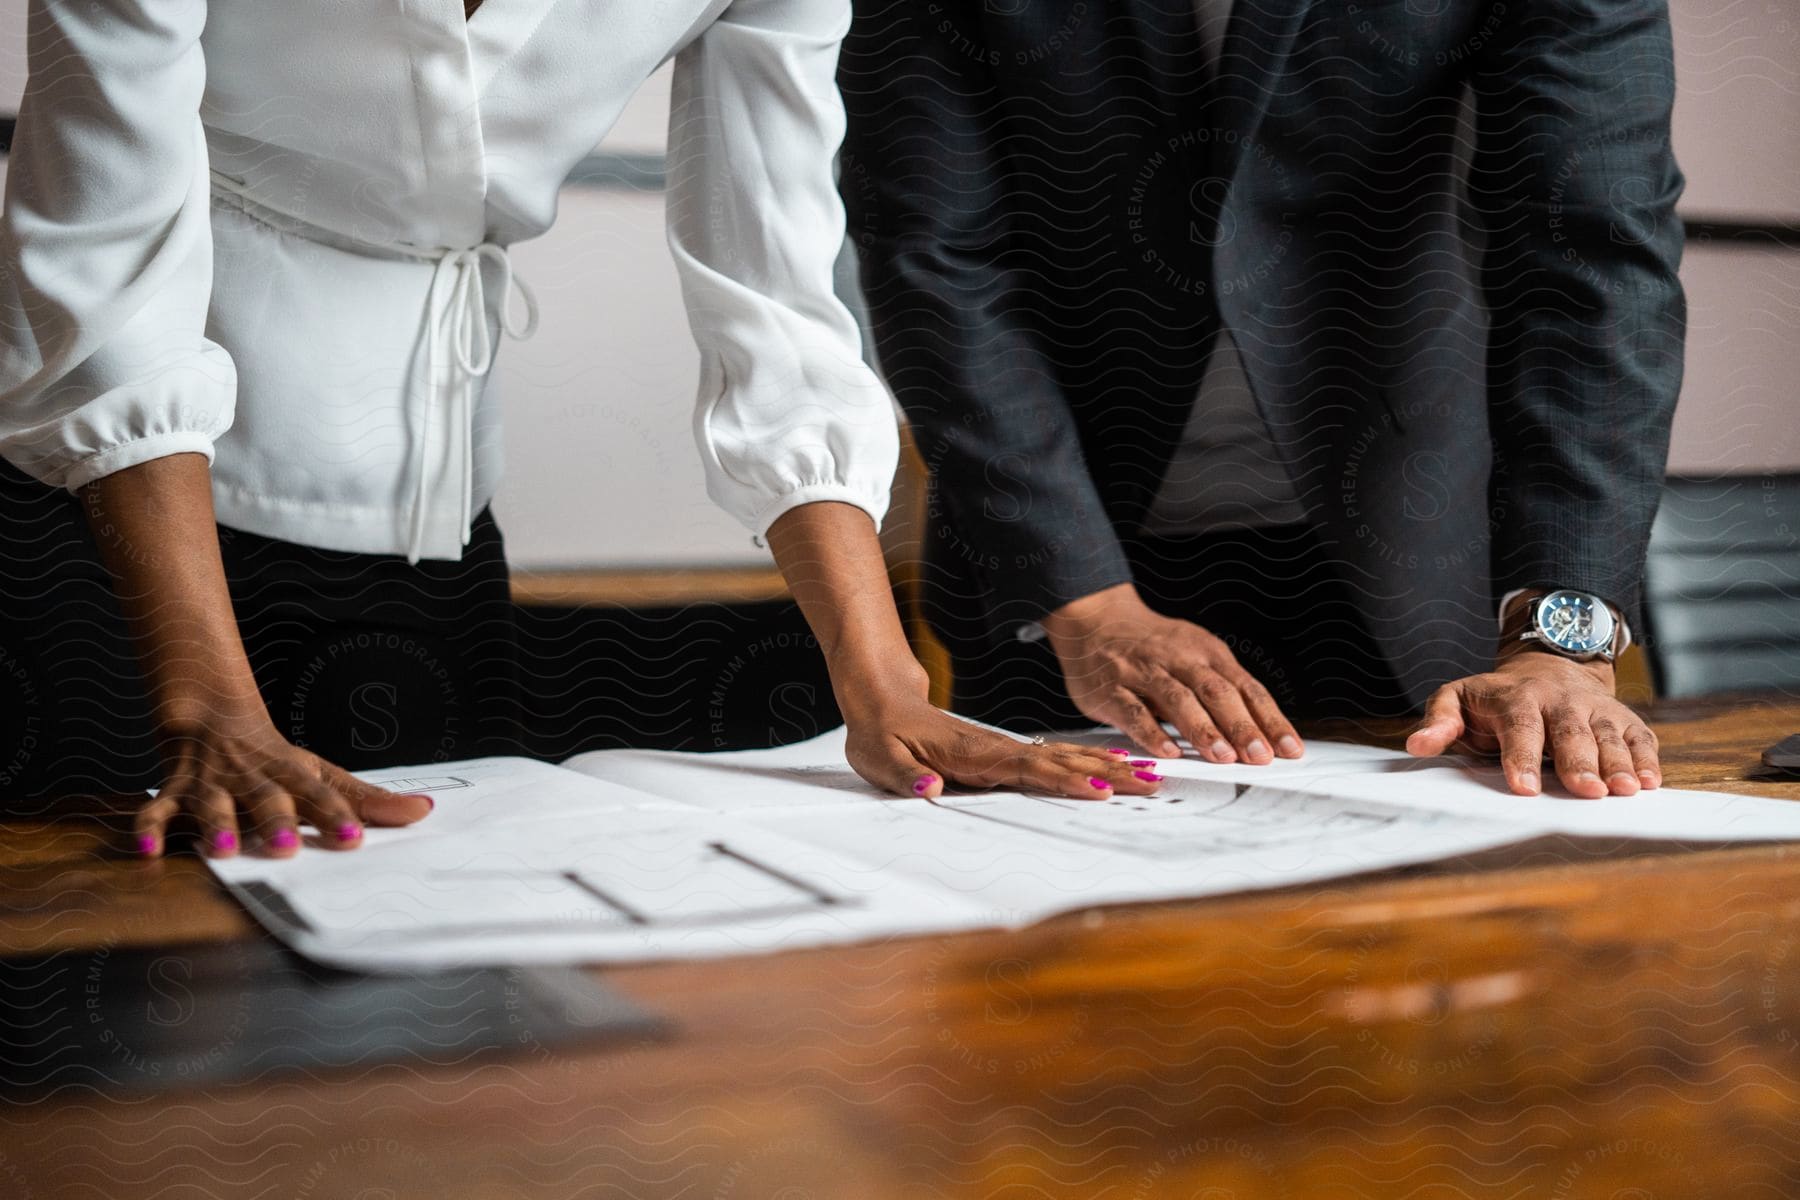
x=243, y=786
x=228, y=769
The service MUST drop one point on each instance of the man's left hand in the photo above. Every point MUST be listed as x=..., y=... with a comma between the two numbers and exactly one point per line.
x=1535, y=702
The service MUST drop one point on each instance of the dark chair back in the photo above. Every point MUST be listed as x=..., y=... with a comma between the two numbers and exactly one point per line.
x=1723, y=585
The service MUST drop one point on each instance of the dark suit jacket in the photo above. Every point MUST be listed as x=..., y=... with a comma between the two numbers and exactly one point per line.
x=1441, y=233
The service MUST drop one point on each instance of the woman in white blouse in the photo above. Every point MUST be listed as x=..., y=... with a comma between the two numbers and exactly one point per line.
x=253, y=269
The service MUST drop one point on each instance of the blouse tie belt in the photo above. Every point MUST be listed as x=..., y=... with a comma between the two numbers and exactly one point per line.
x=458, y=354
x=458, y=349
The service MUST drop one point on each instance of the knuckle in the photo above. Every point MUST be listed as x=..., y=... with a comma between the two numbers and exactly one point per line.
x=212, y=803
x=323, y=799
x=272, y=805
x=1522, y=721
x=1161, y=685
x=1114, y=664
x=1214, y=689
x=1564, y=729
x=1128, y=706
x=1254, y=691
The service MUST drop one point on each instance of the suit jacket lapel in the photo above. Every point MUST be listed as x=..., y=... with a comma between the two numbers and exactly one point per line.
x=1257, y=41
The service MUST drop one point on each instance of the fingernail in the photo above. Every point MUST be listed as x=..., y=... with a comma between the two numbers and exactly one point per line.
x=348, y=833
x=1529, y=780
x=923, y=783
x=1147, y=777
x=1171, y=750
x=1290, y=745
x=1143, y=762
x=1222, y=750
x=430, y=804
x=1255, y=749
x=224, y=840
x=1098, y=784
x=284, y=839
x=1622, y=783
x=1586, y=777
x=1117, y=750
x=146, y=844
x=1648, y=778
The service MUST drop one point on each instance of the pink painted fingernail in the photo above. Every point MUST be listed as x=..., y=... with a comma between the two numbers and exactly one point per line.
x=1148, y=777
x=923, y=783
x=348, y=833
x=1098, y=784
x=146, y=844
x=1143, y=762
x=224, y=840
x=1117, y=750
x=284, y=839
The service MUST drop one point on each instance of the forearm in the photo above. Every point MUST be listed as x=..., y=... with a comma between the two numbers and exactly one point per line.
x=1574, y=170
x=832, y=561
x=155, y=529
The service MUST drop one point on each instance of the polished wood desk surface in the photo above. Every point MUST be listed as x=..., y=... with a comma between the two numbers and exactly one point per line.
x=1537, y=1023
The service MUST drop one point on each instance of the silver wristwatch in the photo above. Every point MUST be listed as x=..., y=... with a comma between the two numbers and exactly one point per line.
x=1578, y=625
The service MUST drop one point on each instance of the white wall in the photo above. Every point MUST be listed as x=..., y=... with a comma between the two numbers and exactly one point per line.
x=12, y=54
x=1737, y=138
x=601, y=464
x=1737, y=107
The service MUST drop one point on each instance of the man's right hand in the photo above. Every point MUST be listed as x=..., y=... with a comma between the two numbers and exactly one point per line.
x=1129, y=666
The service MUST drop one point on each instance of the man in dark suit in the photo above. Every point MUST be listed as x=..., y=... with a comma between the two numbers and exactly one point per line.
x=1264, y=354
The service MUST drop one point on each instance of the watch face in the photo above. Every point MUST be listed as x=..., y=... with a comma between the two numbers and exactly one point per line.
x=1575, y=622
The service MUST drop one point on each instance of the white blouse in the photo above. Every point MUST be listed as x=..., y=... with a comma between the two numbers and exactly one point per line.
x=274, y=233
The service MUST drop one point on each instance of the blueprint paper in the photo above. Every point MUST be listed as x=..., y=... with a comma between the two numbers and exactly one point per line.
x=621, y=856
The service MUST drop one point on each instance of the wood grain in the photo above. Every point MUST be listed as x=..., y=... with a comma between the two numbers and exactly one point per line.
x=1559, y=1019
x=658, y=587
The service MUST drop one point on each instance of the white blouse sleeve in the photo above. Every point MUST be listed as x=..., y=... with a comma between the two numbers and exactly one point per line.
x=788, y=411
x=106, y=246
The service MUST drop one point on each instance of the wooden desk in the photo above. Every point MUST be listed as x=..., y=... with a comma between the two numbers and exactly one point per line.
x=1520, y=1027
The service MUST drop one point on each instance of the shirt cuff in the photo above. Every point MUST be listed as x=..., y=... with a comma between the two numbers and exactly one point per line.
x=813, y=493
x=129, y=454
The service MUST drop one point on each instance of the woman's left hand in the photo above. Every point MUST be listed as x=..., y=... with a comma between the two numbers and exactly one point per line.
x=897, y=740
x=902, y=743
x=911, y=748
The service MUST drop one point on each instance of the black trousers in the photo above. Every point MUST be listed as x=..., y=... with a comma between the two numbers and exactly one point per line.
x=362, y=658
x=1275, y=598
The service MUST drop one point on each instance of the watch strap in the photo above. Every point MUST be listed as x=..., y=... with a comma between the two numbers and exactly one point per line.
x=1518, y=624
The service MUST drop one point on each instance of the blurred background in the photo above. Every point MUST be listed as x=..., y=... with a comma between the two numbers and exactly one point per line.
x=604, y=503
